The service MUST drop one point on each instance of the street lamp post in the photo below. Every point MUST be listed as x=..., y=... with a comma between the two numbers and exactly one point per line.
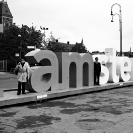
x=20, y=47
x=20, y=52
x=120, y=21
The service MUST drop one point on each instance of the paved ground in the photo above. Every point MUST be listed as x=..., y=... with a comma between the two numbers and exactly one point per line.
x=103, y=112
x=8, y=80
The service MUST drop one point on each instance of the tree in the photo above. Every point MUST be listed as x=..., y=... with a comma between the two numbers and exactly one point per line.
x=79, y=47
x=59, y=47
x=16, y=39
x=35, y=37
x=46, y=41
x=66, y=47
x=8, y=42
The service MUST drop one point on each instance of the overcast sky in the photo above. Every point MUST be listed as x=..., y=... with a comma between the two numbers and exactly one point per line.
x=72, y=20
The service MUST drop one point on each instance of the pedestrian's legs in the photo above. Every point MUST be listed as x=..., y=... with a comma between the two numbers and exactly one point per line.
x=94, y=78
x=23, y=87
x=19, y=88
x=98, y=76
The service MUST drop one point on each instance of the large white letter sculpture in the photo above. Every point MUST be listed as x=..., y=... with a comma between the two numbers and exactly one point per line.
x=131, y=72
x=65, y=70
x=45, y=76
x=111, y=65
x=123, y=68
x=77, y=70
x=74, y=70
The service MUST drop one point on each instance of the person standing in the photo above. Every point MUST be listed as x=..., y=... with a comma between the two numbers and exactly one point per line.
x=97, y=71
x=22, y=71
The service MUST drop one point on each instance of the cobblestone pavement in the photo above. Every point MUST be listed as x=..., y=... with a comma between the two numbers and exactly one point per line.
x=102, y=112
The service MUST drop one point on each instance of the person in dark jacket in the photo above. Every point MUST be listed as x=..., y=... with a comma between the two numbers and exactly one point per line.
x=97, y=71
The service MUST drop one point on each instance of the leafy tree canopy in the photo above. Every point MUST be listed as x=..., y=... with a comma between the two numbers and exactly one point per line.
x=59, y=47
x=18, y=38
x=79, y=47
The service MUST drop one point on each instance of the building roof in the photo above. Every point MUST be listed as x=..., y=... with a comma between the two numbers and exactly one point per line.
x=4, y=9
x=67, y=45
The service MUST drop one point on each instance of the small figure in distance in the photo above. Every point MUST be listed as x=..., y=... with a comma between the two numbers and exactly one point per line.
x=97, y=71
x=22, y=71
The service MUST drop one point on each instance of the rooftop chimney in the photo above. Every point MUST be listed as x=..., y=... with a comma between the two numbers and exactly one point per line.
x=68, y=42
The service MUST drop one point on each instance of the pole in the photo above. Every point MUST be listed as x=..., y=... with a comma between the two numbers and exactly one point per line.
x=20, y=46
x=120, y=34
x=20, y=54
x=120, y=19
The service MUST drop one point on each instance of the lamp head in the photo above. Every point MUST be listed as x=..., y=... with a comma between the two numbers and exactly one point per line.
x=45, y=28
x=19, y=35
x=112, y=19
x=111, y=12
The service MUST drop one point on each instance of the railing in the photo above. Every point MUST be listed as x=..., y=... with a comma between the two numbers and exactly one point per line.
x=3, y=65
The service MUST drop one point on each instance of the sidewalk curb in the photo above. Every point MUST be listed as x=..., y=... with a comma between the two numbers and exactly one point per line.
x=13, y=89
x=11, y=98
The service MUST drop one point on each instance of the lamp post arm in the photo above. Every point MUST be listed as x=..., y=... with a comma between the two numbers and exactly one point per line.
x=116, y=14
x=119, y=20
x=114, y=5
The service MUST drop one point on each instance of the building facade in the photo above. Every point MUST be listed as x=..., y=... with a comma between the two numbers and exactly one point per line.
x=6, y=18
